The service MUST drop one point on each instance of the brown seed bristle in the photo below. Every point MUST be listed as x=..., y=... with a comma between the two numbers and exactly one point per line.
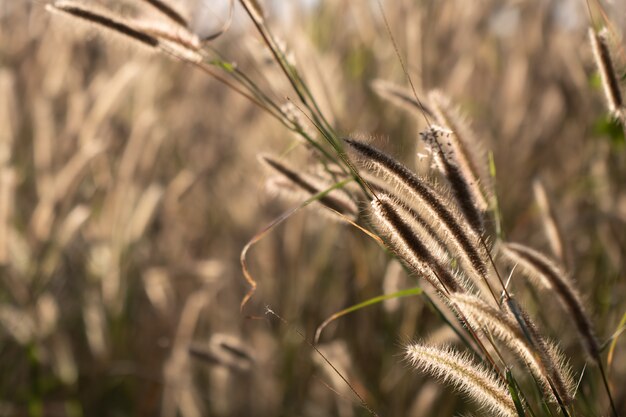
x=428, y=236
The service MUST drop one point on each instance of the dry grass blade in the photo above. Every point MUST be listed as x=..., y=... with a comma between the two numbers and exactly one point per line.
x=167, y=32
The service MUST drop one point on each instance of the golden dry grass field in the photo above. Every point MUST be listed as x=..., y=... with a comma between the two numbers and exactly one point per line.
x=145, y=144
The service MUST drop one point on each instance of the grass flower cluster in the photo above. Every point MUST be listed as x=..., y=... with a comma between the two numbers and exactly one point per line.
x=442, y=215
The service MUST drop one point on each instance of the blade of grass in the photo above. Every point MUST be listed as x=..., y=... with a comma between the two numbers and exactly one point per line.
x=514, y=390
x=372, y=301
x=621, y=327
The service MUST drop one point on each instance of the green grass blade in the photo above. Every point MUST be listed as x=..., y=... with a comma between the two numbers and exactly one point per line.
x=513, y=389
x=404, y=293
x=621, y=327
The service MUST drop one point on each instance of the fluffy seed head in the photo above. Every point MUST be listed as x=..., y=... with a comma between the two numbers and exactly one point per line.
x=102, y=19
x=603, y=60
x=466, y=376
x=168, y=11
x=436, y=208
x=449, y=160
x=543, y=360
x=549, y=220
x=403, y=242
x=309, y=185
x=549, y=275
x=401, y=97
x=469, y=151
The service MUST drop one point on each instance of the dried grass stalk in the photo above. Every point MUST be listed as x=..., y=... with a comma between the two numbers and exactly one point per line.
x=95, y=322
x=8, y=116
x=145, y=211
x=255, y=10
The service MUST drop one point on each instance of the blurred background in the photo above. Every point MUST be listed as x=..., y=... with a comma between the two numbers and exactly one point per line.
x=129, y=184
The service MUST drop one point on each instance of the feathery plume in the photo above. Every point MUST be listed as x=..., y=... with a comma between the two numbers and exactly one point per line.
x=465, y=375
x=469, y=151
x=179, y=45
x=168, y=32
x=610, y=82
x=102, y=19
x=404, y=241
x=550, y=222
x=168, y=11
x=548, y=275
x=461, y=238
x=429, y=237
x=543, y=360
x=462, y=182
x=310, y=185
x=225, y=350
x=399, y=96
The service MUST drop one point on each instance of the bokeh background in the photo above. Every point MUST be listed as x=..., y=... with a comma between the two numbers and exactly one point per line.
x=129, y=184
